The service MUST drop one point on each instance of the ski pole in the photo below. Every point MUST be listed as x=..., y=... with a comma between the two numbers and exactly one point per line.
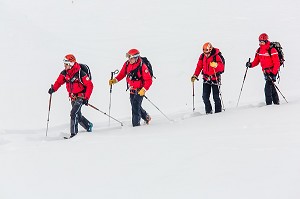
x=157, y=108
x=277, y=88
x=219, y=88
x=194, y=93
x=110, y=91
x=193, y=96
x=105, y=114
x=242, y=85
x=50, y=99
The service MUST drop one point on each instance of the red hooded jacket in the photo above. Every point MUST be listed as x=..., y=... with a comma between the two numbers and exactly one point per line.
x=76, y=83
x=203, y=65
x=145, y=79
x=269, y=63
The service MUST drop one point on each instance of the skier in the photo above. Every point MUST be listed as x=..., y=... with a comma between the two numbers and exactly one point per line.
x=212, y=66
x=139, y=81
x=80, y=88
x=270, y=64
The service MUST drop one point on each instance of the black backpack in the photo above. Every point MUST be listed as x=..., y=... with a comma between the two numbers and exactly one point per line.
x=278, y=47
x=133, y=74
x=149, y=66
x=86, y=69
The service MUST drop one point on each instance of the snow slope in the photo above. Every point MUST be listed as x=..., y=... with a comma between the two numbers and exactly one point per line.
x=246, y=152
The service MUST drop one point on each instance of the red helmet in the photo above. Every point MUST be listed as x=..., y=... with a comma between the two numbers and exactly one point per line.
x=133, y=53
x=263, y=37
x=207, y=47
x=69, y=58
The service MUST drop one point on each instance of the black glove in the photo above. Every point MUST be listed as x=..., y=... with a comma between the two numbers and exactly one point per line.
x=85, y=102
x=51, y=90
x=248, y=65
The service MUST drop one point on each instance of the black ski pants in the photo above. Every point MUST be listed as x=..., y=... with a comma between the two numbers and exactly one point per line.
x=271, y=94
x=77, y=117
x=137, y=110
x=207, y=88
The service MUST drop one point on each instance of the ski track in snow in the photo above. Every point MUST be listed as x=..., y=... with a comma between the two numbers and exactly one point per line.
x=57, y=133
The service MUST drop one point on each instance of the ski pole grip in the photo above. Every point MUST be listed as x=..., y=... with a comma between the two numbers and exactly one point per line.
x=114, y=73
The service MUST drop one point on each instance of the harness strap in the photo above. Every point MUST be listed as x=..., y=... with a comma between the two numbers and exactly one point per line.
x=74, y=96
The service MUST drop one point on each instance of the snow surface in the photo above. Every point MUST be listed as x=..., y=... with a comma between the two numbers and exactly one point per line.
x=249, y=151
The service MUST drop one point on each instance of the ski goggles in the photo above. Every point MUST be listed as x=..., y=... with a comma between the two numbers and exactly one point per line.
x=129, y=56
x=67, y=62
x=262, y=41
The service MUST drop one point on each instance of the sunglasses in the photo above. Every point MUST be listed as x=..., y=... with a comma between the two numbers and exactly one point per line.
x=206, y=51
x=262, y=41
x=132, y=56
x=67, y=62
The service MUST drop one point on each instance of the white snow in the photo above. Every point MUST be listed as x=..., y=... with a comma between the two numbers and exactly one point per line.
x=249, y=151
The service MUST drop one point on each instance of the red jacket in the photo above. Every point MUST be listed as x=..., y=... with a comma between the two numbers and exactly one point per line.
x=76, y=83
x=269, y=63
x=203, y=65
x=144, y=77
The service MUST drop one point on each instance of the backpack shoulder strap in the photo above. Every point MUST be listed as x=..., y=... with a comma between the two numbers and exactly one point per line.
x=269, y=51
x=201, y=56
x=270, y=48
x=215, y=57
x=141, y=66
x=258, y=50
x=80, y=74
x=127, y=63
x=64, y=73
